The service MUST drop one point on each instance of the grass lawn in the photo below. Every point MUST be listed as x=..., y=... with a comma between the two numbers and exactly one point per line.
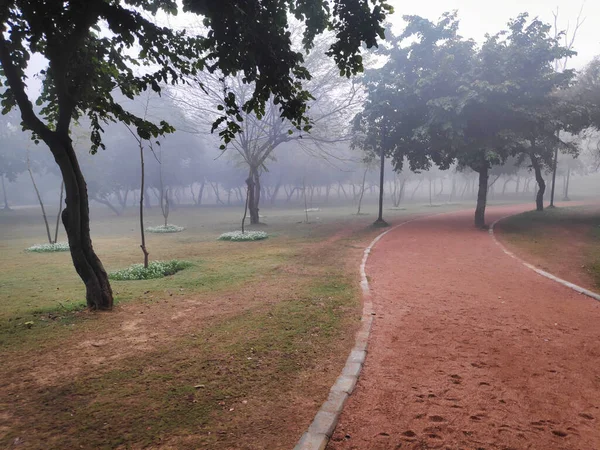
x=237, y=351
x=564, y=241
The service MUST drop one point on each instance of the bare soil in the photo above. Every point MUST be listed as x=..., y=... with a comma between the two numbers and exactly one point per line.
x=472, y=350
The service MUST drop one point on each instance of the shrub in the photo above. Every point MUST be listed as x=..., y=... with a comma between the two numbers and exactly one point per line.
x=165, y=229
x=49, y=248
x=155, y=269
x=246, y=236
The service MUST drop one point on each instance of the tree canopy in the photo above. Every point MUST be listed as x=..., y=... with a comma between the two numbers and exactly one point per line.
x=440, y=99
x=97, y=48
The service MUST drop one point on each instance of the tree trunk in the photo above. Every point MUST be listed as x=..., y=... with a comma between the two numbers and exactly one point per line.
x=400, y=194
x=39, y=197
x=554, y=167
x=362, y=191
x=430, y=192
x=539, y=199
x=275, y=192
x=290, y=194
x=147, y=203
x=381, y=175
x=76, y=219
x=441, y=188
x=482, y=196
x=4, y=193
x=253, y=183
x=62, y=191
x=508, y=180
x=343, y=190
x=142, y=231
x=304, y=193
x=245, y=209
x=106, y=202
x=566, y=197
x=414, y=192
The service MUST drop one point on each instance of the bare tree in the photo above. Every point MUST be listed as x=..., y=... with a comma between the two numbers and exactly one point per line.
x=569, y=42
x=334, y=101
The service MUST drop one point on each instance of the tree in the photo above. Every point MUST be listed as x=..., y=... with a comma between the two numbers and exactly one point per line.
x=333, y=101
x=90, y=45
x=569, y=41
x=581, y=103
x=451, y=101
x=535, y=118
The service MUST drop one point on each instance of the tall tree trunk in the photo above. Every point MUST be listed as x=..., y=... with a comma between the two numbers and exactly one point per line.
x=147, y=202
x=400, y=194
x=39, y=197
x=275, y=192
x=441, y=188
x=453, y=191
x=430, y=204
x=482, y=196
x=362, y=191
x=566, y=197
x=414, y=192
x=253, y=184
x=508, y=180
x=554, y=167
x=4, y=193
x=142, y=231
x=245, y=209
x=76, y=219
x=304, y=193
x=539, y=199
x=290, y=194
x=381, y=186
x=343, y=190
x=518, y=185
x=62, y=192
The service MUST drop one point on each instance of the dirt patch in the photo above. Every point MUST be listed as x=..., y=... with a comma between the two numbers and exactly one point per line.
x=470, y=349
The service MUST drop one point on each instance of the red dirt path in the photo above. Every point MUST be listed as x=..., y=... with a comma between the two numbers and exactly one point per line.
x=472, y=350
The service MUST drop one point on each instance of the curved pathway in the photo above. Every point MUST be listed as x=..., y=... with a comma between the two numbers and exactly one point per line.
x=472, y=350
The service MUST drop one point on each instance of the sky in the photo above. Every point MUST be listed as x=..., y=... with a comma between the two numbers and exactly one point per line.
x=478, y=17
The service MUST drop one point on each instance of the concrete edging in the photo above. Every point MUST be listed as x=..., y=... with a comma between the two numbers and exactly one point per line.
x=541, y=272
x=322, y=427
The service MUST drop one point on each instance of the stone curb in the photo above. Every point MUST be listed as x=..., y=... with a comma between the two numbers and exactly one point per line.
x=322, y=427
x=541, y=272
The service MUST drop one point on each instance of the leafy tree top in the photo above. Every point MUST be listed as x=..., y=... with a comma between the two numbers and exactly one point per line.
x=94, y=47
x=442, y=99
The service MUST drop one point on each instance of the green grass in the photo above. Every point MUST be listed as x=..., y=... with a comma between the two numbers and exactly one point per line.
x=546, y=236
x=261, y=353
x=293, y=311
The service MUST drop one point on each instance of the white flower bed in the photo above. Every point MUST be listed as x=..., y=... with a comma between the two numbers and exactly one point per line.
x=49, y=248
x=246, y=236
x=155, y=269
x=312, y=209
x=165, y=229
